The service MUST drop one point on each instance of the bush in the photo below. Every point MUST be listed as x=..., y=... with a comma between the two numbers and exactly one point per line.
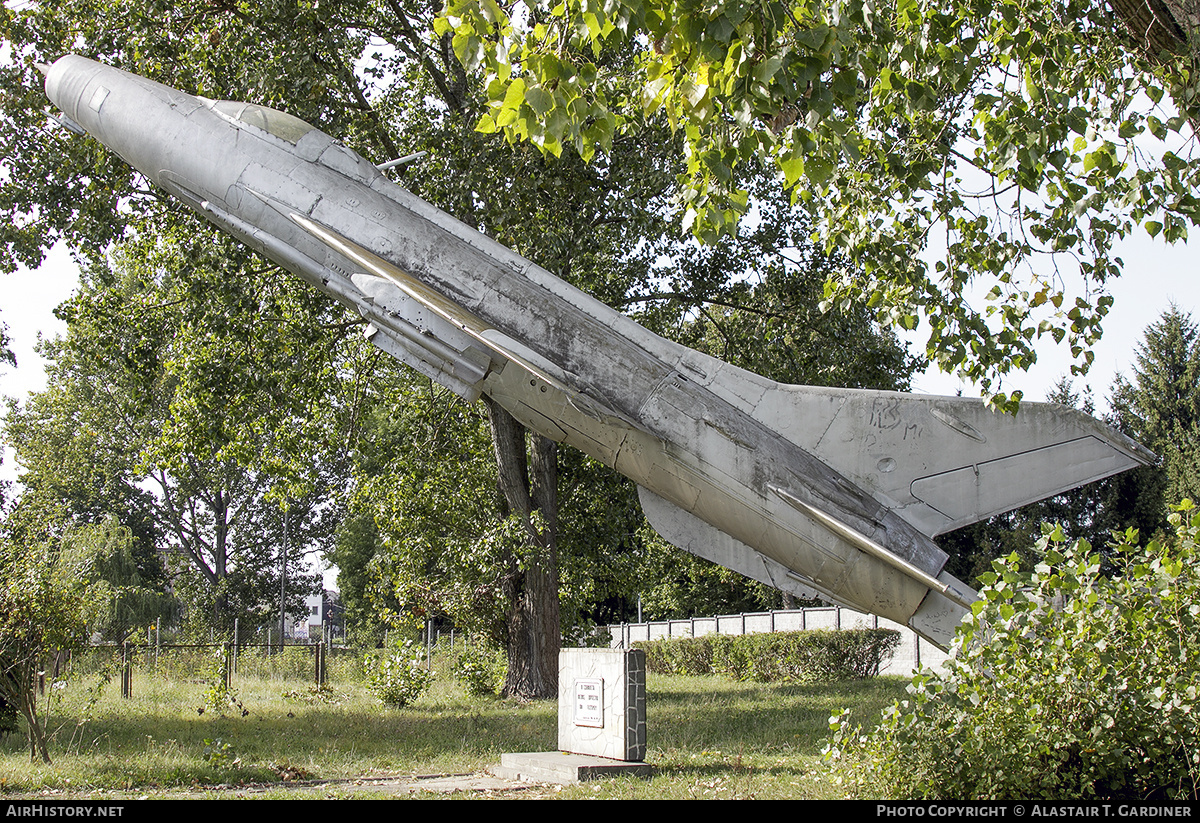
x=684, y=655
x=1062, y=683
x=480, y=670
x=815, y=656
x=219, y=694
x=779, y=657
x=398, y=677
x=8, y=717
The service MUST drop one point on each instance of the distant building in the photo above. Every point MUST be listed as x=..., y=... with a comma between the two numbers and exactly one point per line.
x=323, y=613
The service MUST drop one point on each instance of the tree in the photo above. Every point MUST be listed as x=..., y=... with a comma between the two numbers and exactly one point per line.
x=727, y=299
x=205, y=49
x=987, y=135
x=1160, y=408
x=448, y=544
x=202, y=407
x=6, y=355
x=130, y=601
x=593, y=225
x=355, y=546
x=49, y=593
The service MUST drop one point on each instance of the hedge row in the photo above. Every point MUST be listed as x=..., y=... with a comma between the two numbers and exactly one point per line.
x=789, y=657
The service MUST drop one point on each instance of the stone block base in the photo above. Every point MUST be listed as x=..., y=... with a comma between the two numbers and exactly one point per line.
x=563, y=768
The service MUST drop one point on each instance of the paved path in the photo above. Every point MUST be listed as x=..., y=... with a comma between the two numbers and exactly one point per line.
x=483, y=785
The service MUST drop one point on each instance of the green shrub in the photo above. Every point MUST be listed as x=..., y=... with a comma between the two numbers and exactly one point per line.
x=787, y=657
x=683, y=655
x=480, y=669
x=8, y=717
x=219, y=695
x=398, y=677
x=1062, y=683
x=730, y=656
x=817, y=656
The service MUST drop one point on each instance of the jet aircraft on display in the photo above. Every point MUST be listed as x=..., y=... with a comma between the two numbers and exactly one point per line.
x=822, y=492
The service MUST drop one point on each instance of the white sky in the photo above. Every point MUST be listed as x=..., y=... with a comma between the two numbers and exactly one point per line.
x=1155, y=276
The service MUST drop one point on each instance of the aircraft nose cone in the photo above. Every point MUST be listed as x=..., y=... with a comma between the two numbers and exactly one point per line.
x=138, y=119
x=66, y=80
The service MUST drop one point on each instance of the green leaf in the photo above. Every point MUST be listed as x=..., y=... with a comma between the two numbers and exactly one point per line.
x=539, y=100
x=486, y=125
x=514, y=95
x=792, y=166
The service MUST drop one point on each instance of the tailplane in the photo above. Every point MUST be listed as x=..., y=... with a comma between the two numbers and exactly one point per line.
x=945, y=462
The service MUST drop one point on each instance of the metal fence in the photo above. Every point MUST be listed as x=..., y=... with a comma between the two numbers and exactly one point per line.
x=319, y=663
x=912, y=653
x=316, y=663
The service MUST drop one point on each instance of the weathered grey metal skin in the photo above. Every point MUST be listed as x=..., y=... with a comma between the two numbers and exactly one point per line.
x=829, y=491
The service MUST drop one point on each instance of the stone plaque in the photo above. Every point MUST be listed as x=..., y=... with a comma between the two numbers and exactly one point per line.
x=589, y=702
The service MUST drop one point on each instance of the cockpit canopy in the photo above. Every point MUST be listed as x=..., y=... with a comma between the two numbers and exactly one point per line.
x=320, y=147
x=281, y=124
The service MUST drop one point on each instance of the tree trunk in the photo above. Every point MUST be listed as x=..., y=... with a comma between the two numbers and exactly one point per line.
x=1160, y=28
x=1163, y=30
x=534, y=633
x=20, y=692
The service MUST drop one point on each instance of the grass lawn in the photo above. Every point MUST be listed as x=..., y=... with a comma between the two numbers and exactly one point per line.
x=708, y=737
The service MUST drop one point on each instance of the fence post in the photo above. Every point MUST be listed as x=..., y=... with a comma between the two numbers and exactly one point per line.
x=126, y=672
x=228, y=666
x=319, y=654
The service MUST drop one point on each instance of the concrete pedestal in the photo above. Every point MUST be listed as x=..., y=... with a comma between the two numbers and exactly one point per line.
x=601, y=721
x=565, y=768
x=602, y=703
